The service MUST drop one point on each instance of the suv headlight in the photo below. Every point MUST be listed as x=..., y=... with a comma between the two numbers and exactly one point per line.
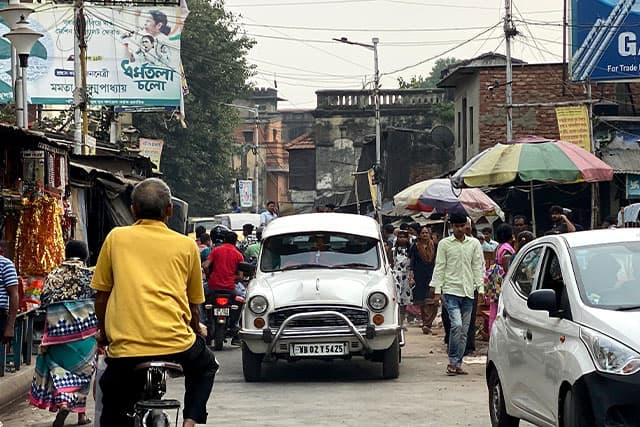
x=258, y=304
x=609, y=355
x=377, y=301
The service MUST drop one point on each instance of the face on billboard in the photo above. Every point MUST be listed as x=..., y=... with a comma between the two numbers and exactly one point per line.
x=133, y=56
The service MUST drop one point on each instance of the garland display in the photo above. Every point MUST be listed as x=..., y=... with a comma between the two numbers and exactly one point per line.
x=39, y=241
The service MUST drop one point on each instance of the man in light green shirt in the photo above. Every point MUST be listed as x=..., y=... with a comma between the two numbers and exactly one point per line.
x=253, y=250
x=459, y=271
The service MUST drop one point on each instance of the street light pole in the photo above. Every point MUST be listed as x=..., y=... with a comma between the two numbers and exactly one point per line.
x=376, y=99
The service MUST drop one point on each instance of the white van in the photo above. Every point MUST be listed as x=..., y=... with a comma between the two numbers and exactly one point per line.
x=565, y=346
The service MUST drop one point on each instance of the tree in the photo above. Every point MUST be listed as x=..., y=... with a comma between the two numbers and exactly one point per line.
x=434, y=76
x=196, y=159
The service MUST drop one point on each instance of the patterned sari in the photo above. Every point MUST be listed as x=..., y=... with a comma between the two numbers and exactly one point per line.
x=66, y=363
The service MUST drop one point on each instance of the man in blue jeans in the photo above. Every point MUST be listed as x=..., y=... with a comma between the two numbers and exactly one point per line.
x=459, y=271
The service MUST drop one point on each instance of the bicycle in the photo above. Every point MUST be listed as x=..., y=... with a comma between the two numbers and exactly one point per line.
x=150, y=410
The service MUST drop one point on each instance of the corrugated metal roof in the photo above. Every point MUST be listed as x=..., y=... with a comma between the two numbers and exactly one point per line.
x=622, y=161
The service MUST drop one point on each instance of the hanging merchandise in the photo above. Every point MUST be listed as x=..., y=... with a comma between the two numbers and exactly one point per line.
x=39, y=242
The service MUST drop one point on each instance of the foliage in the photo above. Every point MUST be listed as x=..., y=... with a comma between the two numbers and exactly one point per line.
x=432, y=80
x=196, y=159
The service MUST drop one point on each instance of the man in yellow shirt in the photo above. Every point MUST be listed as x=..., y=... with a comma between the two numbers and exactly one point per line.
x=149, y=287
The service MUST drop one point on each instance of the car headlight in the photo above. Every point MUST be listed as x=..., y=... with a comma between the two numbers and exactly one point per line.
x=377, y=301
x=258, y=304
x=609, y=355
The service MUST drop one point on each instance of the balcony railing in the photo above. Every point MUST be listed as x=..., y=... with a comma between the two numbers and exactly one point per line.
x=389, y=98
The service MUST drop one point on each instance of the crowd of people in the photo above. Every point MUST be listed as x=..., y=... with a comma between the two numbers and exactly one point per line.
x=454, y=275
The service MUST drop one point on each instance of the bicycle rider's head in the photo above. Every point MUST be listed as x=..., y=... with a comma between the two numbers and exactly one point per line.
x=151, y=199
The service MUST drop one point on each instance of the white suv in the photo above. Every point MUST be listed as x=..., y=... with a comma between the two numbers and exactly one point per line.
x=565, y=346
x=323, y=289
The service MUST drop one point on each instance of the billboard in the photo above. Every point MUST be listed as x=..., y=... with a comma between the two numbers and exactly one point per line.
x=152, y=148
x=605, y=40
x=574, y=125
x=133, y=56
x=245, y=188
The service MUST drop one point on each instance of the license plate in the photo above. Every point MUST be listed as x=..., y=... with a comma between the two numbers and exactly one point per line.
x=325, y=349
x=223, y=311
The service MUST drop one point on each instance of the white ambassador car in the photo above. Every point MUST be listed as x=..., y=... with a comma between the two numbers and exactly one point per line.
x=323, y=289
x=565, y=346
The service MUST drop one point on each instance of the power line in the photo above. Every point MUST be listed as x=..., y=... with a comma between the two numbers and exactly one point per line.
x=441, y=54
x=367, y=30
x=310, y=3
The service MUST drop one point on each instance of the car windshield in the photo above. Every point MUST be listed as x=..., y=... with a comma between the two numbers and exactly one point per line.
x=609, y=275
x=319, y=250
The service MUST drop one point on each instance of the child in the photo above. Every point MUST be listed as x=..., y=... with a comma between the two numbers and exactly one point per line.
x=400, y=260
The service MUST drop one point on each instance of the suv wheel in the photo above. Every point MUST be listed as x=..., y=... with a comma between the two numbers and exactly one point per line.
x=497, y=409
x=391, y=361
x=251, y=364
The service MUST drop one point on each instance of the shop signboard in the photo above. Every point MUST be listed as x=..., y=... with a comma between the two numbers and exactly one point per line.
x=633, y=186
x=152, y=148
x=573, y=125
x=33, y=168
x=605, y=40
x=133, y=56
x=245, y=189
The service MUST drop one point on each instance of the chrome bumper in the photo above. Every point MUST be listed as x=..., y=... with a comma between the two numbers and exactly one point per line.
x=362, y=334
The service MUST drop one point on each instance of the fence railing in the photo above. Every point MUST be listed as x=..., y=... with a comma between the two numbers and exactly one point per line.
x=22, y=344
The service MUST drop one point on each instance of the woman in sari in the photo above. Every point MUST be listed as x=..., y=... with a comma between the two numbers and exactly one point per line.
x=66, y=361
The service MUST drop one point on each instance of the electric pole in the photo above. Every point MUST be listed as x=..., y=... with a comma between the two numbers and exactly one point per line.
x=256, y=168
x=80, y=118
x=509, y=32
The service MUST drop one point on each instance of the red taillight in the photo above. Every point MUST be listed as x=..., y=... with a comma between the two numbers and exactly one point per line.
x=222, y=300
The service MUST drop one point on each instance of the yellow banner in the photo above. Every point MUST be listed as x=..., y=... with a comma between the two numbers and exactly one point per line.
x=574, y=126
x=152, y=148
x=372, y=188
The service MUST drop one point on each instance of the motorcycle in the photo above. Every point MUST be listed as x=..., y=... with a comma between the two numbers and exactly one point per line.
x=223, y=309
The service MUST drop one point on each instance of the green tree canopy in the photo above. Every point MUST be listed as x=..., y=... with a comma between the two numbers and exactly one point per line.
x=196, y=159
x=430, y=81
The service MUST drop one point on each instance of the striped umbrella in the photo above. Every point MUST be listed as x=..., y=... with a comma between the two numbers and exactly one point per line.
x=439, y=195
x=532, y=159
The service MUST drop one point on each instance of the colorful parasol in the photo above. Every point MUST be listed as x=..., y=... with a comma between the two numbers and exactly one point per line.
x=439, y=195
x=532, y=159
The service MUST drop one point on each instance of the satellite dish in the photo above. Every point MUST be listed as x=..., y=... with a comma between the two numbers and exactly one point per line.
x=442, y=136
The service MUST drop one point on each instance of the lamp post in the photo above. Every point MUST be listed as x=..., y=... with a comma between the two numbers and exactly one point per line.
x=12, y=14
x=376, y=97
x=22, y=39
x=256, y=171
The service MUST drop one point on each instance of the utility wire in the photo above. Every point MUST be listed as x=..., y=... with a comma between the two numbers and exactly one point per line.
x=367, y=30
x=441, y=54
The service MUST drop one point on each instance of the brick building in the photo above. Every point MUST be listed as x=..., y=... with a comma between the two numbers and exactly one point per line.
x=478, y=89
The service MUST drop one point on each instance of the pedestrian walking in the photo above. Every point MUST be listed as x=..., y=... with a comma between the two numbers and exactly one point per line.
x=66, y=361
x=459, y=271
x=9, y=299
x=495, y=273
x=400, y=261
x=422, y=255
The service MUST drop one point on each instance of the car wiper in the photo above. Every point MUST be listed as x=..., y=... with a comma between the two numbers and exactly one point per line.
x=302, y=266
x=353, y=265
x=628, y=308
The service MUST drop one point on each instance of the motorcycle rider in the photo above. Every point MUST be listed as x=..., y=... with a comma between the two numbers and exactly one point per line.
x=223, y=262
x=149, y=286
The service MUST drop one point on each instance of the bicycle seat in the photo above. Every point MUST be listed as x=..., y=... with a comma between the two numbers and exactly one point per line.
x=169, y=366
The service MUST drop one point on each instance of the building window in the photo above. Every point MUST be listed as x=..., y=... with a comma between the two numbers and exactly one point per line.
x=274, y=132
x=464, y=130
x=471, y=126
x=248, y=135
x=459, y=128
x=302, y=170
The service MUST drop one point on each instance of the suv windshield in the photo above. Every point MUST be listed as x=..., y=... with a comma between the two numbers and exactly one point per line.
x=319, y=250
x=609, y=275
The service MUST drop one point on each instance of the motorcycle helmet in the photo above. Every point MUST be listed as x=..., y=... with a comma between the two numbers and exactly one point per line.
x=217, y=234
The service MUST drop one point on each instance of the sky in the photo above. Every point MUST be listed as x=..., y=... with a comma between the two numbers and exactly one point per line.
x=295, y=48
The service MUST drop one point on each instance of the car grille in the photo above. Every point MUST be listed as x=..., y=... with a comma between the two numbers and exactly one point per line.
x=357, y=316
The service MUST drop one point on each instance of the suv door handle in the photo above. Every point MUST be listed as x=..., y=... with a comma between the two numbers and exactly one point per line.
x=528, y=335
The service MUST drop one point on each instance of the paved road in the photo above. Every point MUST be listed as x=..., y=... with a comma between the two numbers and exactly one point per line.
x=316, y=393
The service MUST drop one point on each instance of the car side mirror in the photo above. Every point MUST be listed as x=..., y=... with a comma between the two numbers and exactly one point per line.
x=544, y=300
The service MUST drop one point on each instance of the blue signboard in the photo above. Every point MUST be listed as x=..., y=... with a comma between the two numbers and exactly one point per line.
x=605, y=40
x=633, y=186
